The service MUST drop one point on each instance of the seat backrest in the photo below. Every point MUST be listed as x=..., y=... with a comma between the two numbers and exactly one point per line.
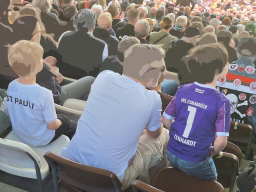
x=85, y=177
x=173, y=180
x=226, y=166
x=240, y=132
x=18, y=155
x=70, y=113
x=233, y=149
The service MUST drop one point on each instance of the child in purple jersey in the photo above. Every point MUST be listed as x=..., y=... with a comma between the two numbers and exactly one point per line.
x=201, y=114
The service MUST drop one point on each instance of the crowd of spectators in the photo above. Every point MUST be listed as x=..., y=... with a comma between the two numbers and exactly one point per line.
x=127, y=59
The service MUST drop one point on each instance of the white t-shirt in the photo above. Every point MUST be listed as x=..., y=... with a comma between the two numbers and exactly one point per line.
x=30, y=108
x=116, y=113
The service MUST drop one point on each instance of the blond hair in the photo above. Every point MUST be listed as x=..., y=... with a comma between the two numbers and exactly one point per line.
x=23, y=56
x=104, y=20
x=103, y=3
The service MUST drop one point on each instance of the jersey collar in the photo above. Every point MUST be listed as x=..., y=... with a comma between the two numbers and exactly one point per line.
x=202, y=85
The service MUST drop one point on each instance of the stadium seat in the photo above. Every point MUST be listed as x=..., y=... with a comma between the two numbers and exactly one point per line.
x=242, y=133
x=77, y=177
x=227, y=166
x=233, y=149
x=173, y=180
x=21, y=161
x=70, y=113
x=75, y=104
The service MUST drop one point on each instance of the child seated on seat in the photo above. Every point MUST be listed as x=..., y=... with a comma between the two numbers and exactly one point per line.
x=30, y=106
x=201, y=114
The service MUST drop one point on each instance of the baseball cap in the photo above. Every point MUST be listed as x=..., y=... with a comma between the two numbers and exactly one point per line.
x=85, y=18
x=250, y=27
x=215, y=22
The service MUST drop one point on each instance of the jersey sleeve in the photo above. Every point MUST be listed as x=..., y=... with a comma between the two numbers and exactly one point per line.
x=170, y=110
x=155, y=120
x=223, y=119
x=49, y=112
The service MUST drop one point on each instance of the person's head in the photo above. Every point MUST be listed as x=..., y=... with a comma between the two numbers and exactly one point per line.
x=124, y=44
x=233, y=29
x=45, y=6
x=226, y=21
x=180, y=13
x=240, y=28
x=166, y=23
x=207, y=63
x=153, y=12
x=221, y=28
x=207, y=38
x=209, y=29
x=172, y=16
x=105, y=21
x=159, y=14
x=144, y=63
x=84, y=20
x=215, y=23
x=132, y=16
x=196, y=18
x=97, y=9
x=69, y=12
x=181, y=8
x=26, y=58
x=181, y=21
x=246, y=48
x=151, y=24
x=141, y=29
x=68, y=2
x=81, y=5
x=102, y=3
x=198, y=25
x=187, y=9
x=143, y=12
x=224, y=37
x=124, y=5
x=113, y=10
x=213, y=15
x=250, y=27
x=92, y=2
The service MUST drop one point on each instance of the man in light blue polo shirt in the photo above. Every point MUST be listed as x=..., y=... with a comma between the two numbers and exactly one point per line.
x=121, y=129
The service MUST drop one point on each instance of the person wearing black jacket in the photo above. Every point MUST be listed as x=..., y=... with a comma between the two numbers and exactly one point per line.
x=102, y=32
x=185, y=3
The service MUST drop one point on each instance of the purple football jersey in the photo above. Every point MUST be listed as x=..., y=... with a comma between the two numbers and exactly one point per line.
x=200, y=113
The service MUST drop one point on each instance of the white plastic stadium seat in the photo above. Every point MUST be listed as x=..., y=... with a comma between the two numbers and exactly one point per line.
x=75, y=104
x=21, y=160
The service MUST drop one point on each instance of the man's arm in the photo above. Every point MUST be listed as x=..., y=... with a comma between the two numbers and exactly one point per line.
x=167, y=122
x=155, y=134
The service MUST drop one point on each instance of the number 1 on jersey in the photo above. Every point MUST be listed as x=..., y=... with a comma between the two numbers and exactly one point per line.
x=191, y=117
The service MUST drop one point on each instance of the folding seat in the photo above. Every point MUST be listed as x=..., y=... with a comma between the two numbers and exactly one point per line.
x=173, y=180
x=69, y=112
x=25, y=167
x=241, y=133
x=75, y=177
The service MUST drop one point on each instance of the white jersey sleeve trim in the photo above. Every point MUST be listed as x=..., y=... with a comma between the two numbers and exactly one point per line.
x=222, y=134
x=168, y=116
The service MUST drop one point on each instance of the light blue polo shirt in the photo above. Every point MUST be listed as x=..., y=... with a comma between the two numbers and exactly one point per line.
x=116, y=113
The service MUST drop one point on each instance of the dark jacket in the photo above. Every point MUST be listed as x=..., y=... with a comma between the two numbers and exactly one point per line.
x=127, y=30
x=185, y=3
x=144, y=41
x=120, y=24
x=110, y=40
x=177, y=32
x=81, y=54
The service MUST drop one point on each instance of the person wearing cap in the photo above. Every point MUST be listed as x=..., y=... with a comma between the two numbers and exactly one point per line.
x=215, y=23
x=82, y=53
x=240, y=81
x=250, y=27
x=120, y=129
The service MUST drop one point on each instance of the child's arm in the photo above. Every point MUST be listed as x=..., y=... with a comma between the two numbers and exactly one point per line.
x=169, y=114
x=167, y=122
x=54, y=125
x=219, y=144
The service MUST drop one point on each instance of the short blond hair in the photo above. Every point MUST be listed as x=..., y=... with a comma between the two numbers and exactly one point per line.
x=23, y=56
x=104, y=20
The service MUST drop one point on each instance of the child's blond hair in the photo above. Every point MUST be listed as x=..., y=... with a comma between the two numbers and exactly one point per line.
x=23, y=56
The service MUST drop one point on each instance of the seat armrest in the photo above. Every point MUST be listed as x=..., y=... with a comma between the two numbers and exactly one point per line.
x=141, y=186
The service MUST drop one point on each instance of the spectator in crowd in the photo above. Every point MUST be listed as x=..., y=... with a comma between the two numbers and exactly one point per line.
x=30, y=106
x=44, y=6
x=163, y=37
x=92, y=2
x=226, y=38
x=207, y=38
x=69, y=12
x=242, y=35
x=185, y=3
x=108, y=106
x=221, y=28
x=211, y=120
x=128, y=29
x=215, y=23
x=187, y=11
x=196, y=18
x=97, y=9
x=141, y=31
x=153, y=12
x=151, y=24
x=82, y=54
x=102, y=32
x=172, y=16
x=114, y=11
x=240, y=28
x=250, y=27
x=143, y=12
x=234, y=30
x=198, y=25
x=103, y=4
x=209, y=29
x=206, y=17
x=242, y=88
x=226, y=21
x=180, y=25
x=81, y=5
